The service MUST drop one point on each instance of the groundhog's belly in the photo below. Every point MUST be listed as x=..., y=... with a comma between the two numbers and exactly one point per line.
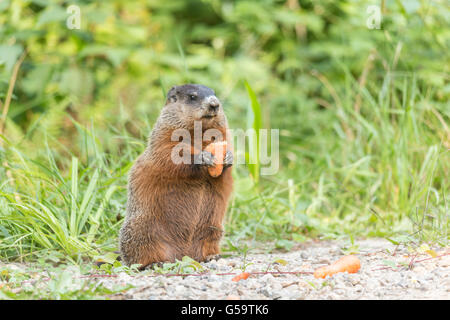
x=185, y=205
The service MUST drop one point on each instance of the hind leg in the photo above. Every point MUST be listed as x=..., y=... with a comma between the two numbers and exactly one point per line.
x=207, y=245
x=210, y=245
x=204, y=250
x=210, y=250
x=142, y=245
x=160, y=252
x=147, y=254
x=155, y=254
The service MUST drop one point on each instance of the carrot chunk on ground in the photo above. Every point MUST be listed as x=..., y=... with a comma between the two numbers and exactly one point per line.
x=350, y=264
x=242, y=276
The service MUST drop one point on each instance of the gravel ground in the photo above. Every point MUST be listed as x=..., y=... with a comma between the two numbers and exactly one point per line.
x=425, y=279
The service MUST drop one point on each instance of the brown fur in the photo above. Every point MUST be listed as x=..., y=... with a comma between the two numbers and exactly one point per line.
x=173, y=210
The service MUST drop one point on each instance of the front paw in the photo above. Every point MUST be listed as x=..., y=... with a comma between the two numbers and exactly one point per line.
x=228, y=159
x=205, y=158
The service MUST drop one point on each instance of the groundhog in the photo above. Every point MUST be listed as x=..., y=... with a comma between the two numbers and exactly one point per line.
x=177, y=209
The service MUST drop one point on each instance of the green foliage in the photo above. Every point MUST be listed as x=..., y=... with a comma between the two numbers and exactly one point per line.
x=363, y=115
x=254, y=122
x=44, y=208
x=57, y=283
x=184, y=266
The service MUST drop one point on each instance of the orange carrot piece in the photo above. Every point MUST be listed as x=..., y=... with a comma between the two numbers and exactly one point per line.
x=350, y=264
x=218, y=150
x=242, y=276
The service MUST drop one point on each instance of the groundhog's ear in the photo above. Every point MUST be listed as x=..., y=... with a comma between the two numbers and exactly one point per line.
x=171, y=95
x=172, y=99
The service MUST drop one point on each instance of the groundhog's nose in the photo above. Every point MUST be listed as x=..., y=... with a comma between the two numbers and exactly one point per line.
x=213, y=103
x=213, y=107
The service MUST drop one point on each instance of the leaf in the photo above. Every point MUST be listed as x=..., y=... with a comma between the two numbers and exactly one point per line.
x=432, y=253
x=77, y=82
x=393, y=241
x=281, y=261
x=423, y=248
x=402, y=239
x=117, y=264
x=284, y=244
x=52, y=14
x=114, y=55
x=254, y=121
x=4, y=5
x=106, y=267
x=135, y=266
x=411, y=6
x=109, y=257
x=36, y=80
x=9, y=55
x=351, y=249
x=188, y=262
x=390, y=263
x=311, y=284
x=4, y=274
x=74, y=195
x=7, y=295
x=63, y=282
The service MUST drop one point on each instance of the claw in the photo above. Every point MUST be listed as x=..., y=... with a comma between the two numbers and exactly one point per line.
x=212, y=257
x=228, y=160
x=208, y=158
x=151, y=266
x=205, y=158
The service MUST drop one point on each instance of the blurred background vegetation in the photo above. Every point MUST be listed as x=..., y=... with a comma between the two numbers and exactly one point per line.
x=363, y=115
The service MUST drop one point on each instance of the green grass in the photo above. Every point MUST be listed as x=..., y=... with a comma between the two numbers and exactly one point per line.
x=375, y=172
x=72, y=209
x=46, y=282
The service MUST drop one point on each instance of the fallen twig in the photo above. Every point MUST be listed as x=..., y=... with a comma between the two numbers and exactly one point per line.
x=412, y=261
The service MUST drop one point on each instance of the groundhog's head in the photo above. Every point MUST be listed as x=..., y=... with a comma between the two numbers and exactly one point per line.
x=194, y=102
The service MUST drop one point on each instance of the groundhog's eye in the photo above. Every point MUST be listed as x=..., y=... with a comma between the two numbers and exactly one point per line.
x=192, y=97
